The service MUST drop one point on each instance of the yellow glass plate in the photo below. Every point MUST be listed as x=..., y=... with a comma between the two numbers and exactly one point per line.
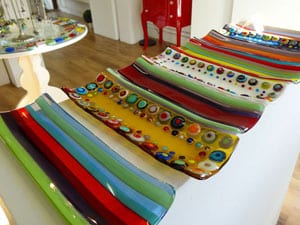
x=170, y=137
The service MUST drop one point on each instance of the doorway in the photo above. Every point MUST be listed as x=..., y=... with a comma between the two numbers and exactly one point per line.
x=54, y=2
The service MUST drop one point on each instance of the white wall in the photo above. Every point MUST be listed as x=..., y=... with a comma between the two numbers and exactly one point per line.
x=284, y=14
x=213, y=14
x=75, y=7
x=104, y=17
x=48, y=4
x=210, y=14
x=129, y=20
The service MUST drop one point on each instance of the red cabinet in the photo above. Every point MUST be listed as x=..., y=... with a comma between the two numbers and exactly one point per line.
x=162, y=13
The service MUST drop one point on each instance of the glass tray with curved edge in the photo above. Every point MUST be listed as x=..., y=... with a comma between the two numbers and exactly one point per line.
x=167, y=135
x=218, y=76
x=272, y=37
x=138, y=191
x=36, y=142
x=70, y=214
x=51, y=146
x=237, y=63
x=272, y=56
x=183, y=96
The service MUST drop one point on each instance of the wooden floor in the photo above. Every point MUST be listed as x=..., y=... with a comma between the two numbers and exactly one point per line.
x=290, y=213
x=81, y=62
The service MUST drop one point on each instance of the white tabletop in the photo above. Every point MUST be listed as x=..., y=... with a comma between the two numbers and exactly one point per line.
x=248, y=190
x=60, y=32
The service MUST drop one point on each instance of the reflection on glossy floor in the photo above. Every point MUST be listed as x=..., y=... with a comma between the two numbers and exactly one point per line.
x=80, y=63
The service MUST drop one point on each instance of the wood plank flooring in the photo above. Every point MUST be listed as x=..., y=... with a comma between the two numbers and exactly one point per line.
x=82, y=61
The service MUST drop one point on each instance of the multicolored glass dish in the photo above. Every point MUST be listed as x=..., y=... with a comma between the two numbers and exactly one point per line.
x=166, y=133
x=108, y=186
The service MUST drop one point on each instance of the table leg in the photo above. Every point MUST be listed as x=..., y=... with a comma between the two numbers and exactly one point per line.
x=29, y=80
x=178, y=33
x=145, y=31
x=34, y=79
x=160, y=39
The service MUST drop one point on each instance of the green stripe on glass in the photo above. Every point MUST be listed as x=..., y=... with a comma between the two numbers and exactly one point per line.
x=68, y=212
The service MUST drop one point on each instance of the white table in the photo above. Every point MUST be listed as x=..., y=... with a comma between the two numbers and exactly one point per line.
x=35, y=76
x=248, y=190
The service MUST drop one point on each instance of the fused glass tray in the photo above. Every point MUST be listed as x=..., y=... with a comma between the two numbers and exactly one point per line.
x=55, y=196
x=272, y=56
x=275, y=38
x=35, y=144
x=218, y=76
x=109, y=185
x=170, y=137
x=203, y=102
x=236, y=62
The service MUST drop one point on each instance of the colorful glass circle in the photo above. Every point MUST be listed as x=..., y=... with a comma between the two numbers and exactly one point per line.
x=108, y=84
x=226, y=142
x=177, y=122
x=217, y=156
x=277, y=87
x=193, y=129
x=192, y=62
x=230, y=74
x=91, y=86
x=208, y=165
x=100, y=78
x=142, y=104
x=153, y=109
x=132, y=98
x=176, y=56
x=265, y=85
x=200, y=64
x=81, y=90
x=123, y=93
x=115, y=89
x=252, y=82
x=220, y=70
x=241, y=78
x=184, y=59
x=210, y=68
x=209, y=136
x=168, y=51
x=164, y=116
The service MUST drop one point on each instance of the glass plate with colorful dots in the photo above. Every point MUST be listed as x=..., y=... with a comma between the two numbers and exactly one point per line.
x=218, y=76
x=273, y=38
x=175, y=139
